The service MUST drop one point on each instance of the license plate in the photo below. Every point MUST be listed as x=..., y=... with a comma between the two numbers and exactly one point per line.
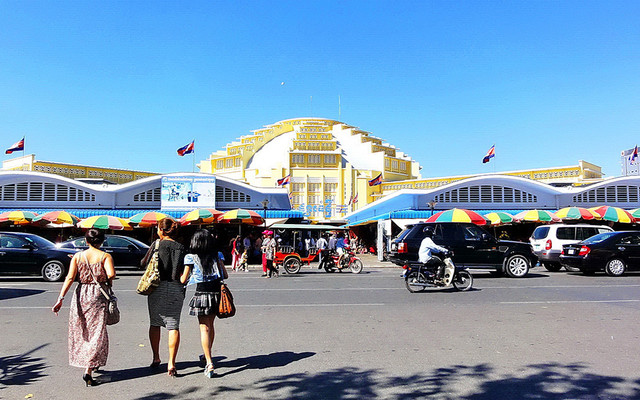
x=572, y=251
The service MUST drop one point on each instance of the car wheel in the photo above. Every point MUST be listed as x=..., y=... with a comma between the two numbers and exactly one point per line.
x=53, y=271
x=552, y=267
x=517, y=266
x=615, y=267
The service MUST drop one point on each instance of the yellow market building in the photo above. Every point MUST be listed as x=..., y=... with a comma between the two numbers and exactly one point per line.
x=330, y=164
x=73, y=171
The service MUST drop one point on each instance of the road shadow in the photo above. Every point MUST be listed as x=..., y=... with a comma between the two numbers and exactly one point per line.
x=22, y=369
x=549, y=381
x=261, y=361
x=11, y=293
x=112, y=376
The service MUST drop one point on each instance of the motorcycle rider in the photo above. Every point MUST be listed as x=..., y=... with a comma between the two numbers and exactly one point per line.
x=427, y=254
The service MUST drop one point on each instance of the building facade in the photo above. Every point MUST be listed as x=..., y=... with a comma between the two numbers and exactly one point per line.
x=73, y=171
x=327, y=162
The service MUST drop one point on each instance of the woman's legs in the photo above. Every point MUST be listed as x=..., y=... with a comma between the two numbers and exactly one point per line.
x=207, y=335
x=264, y=264
x=234, y=260
x=174, y=343
x=154, y=339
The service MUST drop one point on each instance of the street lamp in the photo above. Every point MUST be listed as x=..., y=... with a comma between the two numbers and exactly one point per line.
x=432, y=205
x=265, y=204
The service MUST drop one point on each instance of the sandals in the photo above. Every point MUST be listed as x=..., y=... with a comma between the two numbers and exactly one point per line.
x=172, y=372
x=155, y=365
x=208, y=371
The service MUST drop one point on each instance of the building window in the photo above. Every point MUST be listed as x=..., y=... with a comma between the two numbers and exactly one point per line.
x=314, y=159
x=297, y=158
x=330, y=159
x=219, y=164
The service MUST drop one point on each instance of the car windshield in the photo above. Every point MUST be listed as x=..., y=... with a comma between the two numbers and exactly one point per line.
x=599, y=238
x=139, y=243
x=40, y=242
x=540, y=232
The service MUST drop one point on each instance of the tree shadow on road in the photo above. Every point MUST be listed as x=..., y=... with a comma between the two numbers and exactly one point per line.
x=553, y=381
x=22, y=369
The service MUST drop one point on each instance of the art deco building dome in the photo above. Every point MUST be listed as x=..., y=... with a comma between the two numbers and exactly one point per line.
x=329, y=163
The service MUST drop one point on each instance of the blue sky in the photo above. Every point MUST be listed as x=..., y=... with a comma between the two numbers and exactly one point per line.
x=124, y=84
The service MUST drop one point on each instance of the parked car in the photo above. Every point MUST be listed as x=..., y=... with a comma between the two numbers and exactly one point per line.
x=613, y=252
x=25, y=253
x=547, y=241
x=126, y=251
x=472, y=247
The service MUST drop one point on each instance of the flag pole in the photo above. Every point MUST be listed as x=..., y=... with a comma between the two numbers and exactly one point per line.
x=194, y=157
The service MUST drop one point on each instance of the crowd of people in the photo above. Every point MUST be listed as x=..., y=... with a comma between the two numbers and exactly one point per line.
x=200, y=264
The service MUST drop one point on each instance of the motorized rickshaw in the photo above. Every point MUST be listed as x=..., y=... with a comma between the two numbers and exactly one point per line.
x=287, y=253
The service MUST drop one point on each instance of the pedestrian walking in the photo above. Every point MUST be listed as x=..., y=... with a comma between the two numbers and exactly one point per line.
x=237, y=248
x=323, y=251
x=165, y=302
x=207, y=272
x=269, y=250
x=88, y=338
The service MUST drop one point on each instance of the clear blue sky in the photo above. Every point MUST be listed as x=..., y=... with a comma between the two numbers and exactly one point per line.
x=124, y=84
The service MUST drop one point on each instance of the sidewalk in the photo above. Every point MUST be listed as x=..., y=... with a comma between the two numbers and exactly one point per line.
x=369, y=261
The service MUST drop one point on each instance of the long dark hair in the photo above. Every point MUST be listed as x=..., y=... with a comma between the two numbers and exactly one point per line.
x=204, y=246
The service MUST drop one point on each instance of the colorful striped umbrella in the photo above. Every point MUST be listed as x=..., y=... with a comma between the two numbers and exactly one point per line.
x=576, y=214
x=635, y=213
x=104, y=222
x=536, y=216
x=57, y=219
x=241, y=216
x=200, y=216
x=17, y=217
x=614, y=214
x=458, y=215
x=148, y=219
x=499, y=218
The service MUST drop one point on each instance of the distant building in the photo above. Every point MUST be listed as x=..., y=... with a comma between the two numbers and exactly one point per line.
x=329, y=163
x=89, y=174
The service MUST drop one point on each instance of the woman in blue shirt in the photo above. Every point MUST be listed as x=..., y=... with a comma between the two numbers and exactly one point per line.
x=207, y=272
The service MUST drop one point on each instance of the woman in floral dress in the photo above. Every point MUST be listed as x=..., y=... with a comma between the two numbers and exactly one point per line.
x=88, y=339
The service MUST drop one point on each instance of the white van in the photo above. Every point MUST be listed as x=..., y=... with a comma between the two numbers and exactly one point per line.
x=547, y=241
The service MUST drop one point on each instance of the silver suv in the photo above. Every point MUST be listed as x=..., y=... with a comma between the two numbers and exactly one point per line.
x=547, y=241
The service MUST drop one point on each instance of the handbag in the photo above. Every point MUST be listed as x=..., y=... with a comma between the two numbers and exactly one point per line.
x=226, y=308
x=113, y=313
x=151, y=277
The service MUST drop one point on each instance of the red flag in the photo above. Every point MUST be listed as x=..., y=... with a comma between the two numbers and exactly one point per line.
x=186, y=149
x=17, y=146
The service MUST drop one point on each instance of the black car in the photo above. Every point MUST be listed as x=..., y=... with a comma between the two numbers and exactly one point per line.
x=472, y=247
x=126, y=251
x=613, y=252
x=25, y=253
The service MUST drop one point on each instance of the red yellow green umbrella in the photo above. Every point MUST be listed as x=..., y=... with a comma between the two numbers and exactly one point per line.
x=18, y=217
x=499, y=218
x=576, y=213
x=104, y=222
x=58, y=219
x=147, y=219
x=200, y=216
x=458, y=215
x=614, y=214
x=536, y=216
x=241, y=216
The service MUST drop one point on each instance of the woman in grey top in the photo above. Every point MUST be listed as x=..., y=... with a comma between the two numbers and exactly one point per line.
x=165, y=302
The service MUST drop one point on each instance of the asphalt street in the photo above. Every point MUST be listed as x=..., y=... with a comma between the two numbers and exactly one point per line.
x=317, y=335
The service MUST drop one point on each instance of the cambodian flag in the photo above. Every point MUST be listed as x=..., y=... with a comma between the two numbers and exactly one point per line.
x=634, y=155
x=18, y=146
x=284, y=181
x=490, y=154
x=186, y=149
x=376, y=181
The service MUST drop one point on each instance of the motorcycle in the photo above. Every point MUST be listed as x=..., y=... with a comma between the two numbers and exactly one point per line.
x=348, y=260
x=418, y=277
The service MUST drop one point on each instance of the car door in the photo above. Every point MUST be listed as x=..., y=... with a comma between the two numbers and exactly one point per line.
x=483, y=248
x=17, y=254
x=629, y=247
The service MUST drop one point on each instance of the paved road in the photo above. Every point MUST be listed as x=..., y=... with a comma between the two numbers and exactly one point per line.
x=321, y=336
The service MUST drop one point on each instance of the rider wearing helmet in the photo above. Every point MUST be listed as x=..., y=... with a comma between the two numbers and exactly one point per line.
x=427, y=254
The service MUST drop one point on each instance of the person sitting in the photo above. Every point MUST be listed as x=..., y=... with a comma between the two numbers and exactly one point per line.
x=429, y=251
